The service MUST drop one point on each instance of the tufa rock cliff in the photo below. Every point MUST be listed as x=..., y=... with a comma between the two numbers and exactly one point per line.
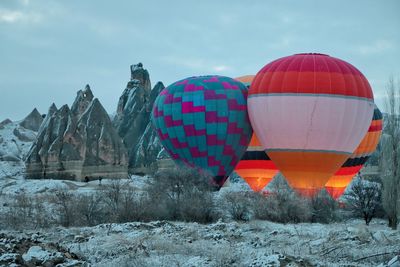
x=132, y=121
x=77, y=143
x=143, y=156
x=32, y=121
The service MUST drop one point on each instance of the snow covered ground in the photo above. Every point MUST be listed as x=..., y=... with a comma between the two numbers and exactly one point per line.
x=164, y=243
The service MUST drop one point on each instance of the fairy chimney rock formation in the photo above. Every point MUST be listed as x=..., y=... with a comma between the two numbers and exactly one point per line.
x=32, y=121
x=77, y=143
x=132, y=120
x=82, y=101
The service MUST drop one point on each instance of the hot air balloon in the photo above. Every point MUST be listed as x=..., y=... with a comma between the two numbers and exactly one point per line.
x=255, y=167
x=338, y=183
x=310, y=112
x=203, y=122
x=246, y=80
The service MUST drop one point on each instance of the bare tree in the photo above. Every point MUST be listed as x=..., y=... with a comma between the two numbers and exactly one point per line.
x=364, y=198
x=390, y=154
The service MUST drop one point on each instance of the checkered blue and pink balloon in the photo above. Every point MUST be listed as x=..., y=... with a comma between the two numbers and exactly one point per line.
x=202, y=122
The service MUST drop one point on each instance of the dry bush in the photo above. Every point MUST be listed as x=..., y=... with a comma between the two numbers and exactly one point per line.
x=65, y=203
x=238, y=205
x=25, y=212
x=90, y=210
x=282, y=206
x=111, y=194
x=197, y=207
x=179, y=194
x=129, y=208
x=121, y=203
x=324, y=208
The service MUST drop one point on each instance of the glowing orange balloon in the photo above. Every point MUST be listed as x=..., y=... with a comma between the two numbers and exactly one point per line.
x=337, y=184
x=255, y=167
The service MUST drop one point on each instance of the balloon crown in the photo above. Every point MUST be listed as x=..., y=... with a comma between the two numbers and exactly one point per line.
x=318, y=54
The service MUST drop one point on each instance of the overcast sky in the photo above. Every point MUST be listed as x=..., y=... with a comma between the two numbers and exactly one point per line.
x=51, y=49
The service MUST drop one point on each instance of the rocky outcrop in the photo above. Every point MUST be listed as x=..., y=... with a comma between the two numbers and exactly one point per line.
x=143, y=156
x=23, y=135
x=52, y=109
x=5, y=122
x=132, y=120
x=142, y=75
x=33, y=250
x=32, y=121
x=82, y=101
x=78, y=143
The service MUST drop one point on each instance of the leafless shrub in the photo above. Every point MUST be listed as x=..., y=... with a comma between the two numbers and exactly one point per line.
x=179, y=194
x=112, y=194
x=282, y=204
x=25, y=212
x=238, y=205
x=129, y=208
x=283, y=207
x=323, y=208
x=65, y=206
x=122, y=203
x=197, y=206
x=18, y=212
x=43, y=216
x=90, y=209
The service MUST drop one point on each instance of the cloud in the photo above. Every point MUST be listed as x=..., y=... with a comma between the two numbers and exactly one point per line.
x=376, y=47
x=12, y=16
x=25, y=2
x=220, y=68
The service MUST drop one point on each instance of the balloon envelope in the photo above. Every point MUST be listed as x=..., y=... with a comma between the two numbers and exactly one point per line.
x=310, y=111
x=203, y=122
x=255, y=167
x=337, y=184
x=246, y=79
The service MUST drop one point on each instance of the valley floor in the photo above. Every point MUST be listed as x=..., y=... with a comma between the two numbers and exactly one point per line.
x=162, y=243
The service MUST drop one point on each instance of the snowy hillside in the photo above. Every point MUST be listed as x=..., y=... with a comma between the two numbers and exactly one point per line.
x=15, y=142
